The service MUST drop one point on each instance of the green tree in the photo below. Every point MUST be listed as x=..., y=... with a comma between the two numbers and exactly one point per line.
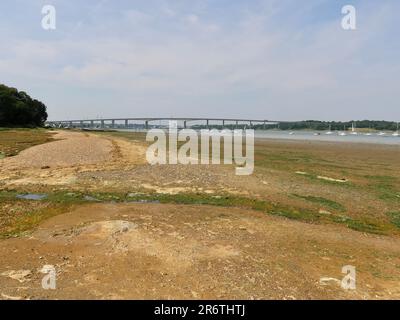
x=17, y=108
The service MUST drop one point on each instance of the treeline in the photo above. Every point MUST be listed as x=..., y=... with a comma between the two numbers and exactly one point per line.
x=315, y=125
x=18, y=109
x=336, y=125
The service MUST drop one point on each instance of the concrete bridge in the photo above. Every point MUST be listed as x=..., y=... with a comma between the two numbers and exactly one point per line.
x=148, y=123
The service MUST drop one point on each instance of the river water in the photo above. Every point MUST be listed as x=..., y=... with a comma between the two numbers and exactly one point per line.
x=388, y=138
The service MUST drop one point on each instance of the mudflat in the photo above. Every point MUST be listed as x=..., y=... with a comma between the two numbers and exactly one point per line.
x=116, y=227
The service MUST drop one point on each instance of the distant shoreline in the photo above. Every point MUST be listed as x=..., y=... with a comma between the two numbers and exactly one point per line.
x=309, y=136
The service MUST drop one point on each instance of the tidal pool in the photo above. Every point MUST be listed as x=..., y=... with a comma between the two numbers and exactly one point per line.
x=32, y=196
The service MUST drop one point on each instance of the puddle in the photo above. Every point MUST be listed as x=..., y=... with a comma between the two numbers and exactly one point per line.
x=32, y=196
x=89, y=198
x=38, y=197
x=143, y=201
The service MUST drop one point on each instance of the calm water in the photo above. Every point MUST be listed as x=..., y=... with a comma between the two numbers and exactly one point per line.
x=32, y=196
x=310, y=136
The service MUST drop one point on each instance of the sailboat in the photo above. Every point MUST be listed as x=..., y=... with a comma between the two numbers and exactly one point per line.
x=353, y=129
x=330, y=130
x=343, y=133
x=396, y=134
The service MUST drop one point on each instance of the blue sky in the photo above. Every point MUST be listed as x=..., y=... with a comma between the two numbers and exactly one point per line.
x=269, y=59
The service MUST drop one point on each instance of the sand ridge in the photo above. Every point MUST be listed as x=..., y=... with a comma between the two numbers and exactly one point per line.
x=70, y=148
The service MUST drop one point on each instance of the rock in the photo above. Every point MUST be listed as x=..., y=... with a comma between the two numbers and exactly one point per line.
x=322, y=211
x=70, y=194
x=20, y=275
x=90, y=198
x=343, y=180
x=325, y=281
x=134, y=194
x=7, y=297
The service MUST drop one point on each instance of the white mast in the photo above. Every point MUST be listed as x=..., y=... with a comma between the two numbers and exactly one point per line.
x=397, y=133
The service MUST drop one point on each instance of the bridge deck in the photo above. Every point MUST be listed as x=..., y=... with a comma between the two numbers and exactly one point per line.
x=147, y=122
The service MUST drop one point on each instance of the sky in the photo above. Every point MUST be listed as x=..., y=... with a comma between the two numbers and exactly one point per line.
x=254, y=59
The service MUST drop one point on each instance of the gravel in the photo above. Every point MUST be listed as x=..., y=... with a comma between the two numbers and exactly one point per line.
x=72, y=149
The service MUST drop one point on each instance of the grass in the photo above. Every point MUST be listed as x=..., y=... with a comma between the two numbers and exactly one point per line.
x=13, y=141
x=31, y=219
x=362, y=226
x=20, y=216
x=60, y=202
x=394, y=217
x=134, y=136
x=385, y=186
x=323, y=202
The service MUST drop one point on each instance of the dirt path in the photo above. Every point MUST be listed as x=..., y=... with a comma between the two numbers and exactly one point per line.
x=157, y=251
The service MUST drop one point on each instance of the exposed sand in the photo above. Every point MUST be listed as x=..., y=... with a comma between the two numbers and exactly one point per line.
x=169, y=251
x=59, y=162
x=137, y=251
x=71, y=149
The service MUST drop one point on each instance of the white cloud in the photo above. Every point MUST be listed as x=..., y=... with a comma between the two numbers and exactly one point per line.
x=169, y=12
x=192, y=19
x=248, y=67
x=136, y=16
